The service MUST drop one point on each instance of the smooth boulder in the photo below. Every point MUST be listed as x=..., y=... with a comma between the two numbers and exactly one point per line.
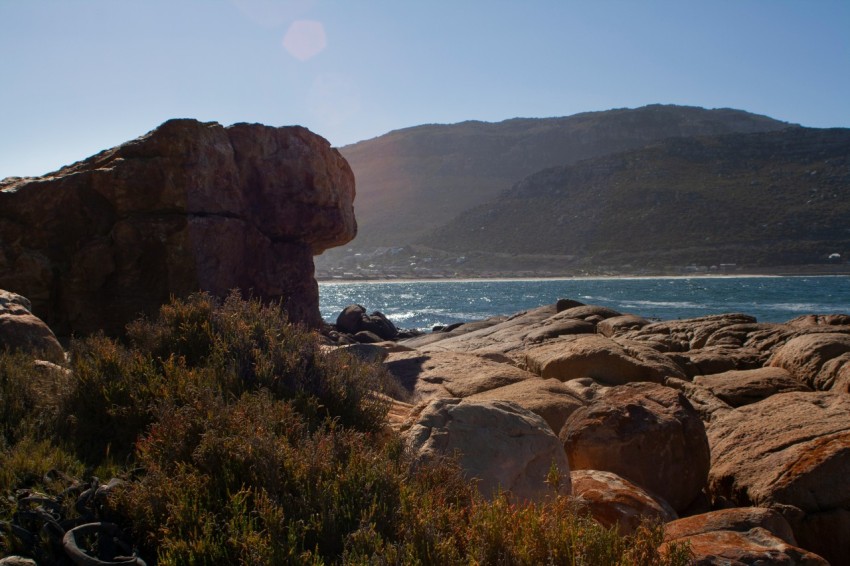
x=600, y=358
x=646, y=433
x=499, y=444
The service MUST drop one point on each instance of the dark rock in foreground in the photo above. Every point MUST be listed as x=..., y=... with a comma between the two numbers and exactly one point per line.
x=189, y=206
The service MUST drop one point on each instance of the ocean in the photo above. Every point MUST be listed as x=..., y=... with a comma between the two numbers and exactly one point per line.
x=424, y=304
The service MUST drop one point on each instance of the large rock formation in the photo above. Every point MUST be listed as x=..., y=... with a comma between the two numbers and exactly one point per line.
x=189, y=206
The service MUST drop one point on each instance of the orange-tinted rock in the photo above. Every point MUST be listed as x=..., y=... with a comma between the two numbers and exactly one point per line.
x=189, y=206
x=747, y=535
x=615, y=501
x=739, y=388
x=601, y=358
x=646, y=433
x=790, y=452
x=500, y=444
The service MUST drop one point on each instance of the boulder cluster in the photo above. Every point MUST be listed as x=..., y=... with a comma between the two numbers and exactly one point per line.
x=734, y=433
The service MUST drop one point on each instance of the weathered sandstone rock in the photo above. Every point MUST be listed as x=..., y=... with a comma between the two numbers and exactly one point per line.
x=501, y=444
x=717, y=359
x=748, y=535
x=646, y=433
x=683, y=335
x=601, y=358
x=618, y=324
x=821, y=361
x=450, y=374
x=738, y=388
x=549, y=398
x=615, y=501
x=820, y=320
x=501, y=338
x=189, y=206
x=21, y=331
x=707, y=404
x=790, y=452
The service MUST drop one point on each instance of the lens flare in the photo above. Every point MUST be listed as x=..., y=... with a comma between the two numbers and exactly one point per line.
x=305, y=39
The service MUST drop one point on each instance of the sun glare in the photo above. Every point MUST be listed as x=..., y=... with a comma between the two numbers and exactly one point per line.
x=305, y=39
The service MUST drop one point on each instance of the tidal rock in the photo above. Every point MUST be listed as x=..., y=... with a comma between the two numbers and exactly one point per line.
x=551, y=399
x=821, y=361
x=353, y=319
x=428, y=375
x=738, y=388
x=789, y=452
x=616, y=502
x=646, y=433
x=500, y=444
x=748, y=535
x=601, y=358
x=20, y=330
x=189, y=206
x=708, y=405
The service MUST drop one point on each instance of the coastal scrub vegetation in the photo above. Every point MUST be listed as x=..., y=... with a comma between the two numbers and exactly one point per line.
x=238, y=440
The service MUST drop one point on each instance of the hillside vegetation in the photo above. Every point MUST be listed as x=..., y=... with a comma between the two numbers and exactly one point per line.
x=413, y=180
x=775, y=198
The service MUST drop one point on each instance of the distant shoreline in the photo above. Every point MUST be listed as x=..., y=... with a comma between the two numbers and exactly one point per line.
x=574, y=278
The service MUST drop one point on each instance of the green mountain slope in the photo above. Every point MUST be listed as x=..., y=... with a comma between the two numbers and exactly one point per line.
x=774, y=198
x=413, y=180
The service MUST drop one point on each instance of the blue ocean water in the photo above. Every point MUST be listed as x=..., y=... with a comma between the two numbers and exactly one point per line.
x=424, y=304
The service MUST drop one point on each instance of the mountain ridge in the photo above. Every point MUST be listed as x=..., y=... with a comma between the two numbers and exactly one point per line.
x=410, y=181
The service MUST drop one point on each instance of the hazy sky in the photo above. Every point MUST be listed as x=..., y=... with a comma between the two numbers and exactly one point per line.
x=79, y=76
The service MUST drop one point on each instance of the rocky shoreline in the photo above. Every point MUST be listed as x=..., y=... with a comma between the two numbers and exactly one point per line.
x=734, y=433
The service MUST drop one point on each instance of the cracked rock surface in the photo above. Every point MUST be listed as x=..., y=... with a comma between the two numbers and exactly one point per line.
x=189, y=206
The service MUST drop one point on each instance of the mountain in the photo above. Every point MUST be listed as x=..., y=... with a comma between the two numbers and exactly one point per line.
x=768, y=198
x=411, y=181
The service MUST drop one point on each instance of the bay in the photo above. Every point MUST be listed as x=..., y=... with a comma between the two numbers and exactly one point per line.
x=424, y=304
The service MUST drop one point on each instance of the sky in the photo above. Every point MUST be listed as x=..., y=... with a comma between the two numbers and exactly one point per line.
x=80, y=76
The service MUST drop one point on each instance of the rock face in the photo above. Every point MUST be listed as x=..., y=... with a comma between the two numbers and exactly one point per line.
x=739, y=388
x=601, y=358
x=501, y=444
x=818, y=360
x=747, y=535
x=189, y=206
x=20, y=330
x=432, y=375
x=646, y=433
x=790, y=452
x=614, y=501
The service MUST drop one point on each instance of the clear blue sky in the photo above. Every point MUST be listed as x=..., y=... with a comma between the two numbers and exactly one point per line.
x=79, y=76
